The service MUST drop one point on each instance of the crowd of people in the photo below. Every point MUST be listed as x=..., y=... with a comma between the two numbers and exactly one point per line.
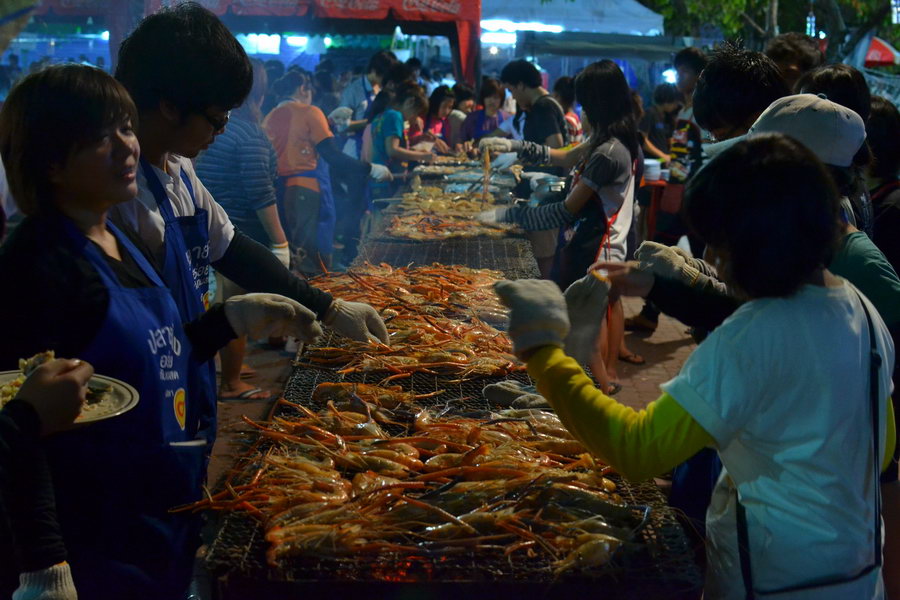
x=783, y=179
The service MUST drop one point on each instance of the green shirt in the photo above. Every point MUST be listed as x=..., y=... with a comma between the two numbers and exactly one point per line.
x=859, y=261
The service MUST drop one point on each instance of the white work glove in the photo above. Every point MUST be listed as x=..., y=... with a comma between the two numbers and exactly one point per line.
x=492, y=216
x=514, y=394
x=537, y=313
x=341, y=118
x=666, y=261
x=356, y=320
x=283, y=253
x=505, y=160
x=270, y=315
x=536, y=178
x=53, y=583
x=380, y=173
x=499, y=144
x=586, y=301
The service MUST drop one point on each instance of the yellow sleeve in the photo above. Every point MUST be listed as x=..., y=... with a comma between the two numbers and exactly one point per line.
x=890, y=441
x=638, y=445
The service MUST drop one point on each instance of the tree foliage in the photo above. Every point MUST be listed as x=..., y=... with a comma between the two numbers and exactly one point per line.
x=843, y=21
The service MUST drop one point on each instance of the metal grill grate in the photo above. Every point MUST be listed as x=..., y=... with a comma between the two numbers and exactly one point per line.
x=658, y=561
x=511, y=256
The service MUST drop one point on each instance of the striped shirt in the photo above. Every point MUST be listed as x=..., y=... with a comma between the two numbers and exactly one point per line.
x=239, y=171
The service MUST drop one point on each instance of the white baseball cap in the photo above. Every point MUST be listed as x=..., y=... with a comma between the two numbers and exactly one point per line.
x=833, y=132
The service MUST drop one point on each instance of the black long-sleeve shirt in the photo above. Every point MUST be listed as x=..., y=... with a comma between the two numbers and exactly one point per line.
x=30, y=537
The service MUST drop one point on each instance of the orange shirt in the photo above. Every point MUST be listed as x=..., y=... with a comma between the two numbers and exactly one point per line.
x=295, y=129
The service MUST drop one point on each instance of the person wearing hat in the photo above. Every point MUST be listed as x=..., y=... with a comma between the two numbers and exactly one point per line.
x=689, y=290
x=792, y=390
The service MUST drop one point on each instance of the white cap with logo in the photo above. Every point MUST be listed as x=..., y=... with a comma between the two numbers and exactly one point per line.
x=834, y=133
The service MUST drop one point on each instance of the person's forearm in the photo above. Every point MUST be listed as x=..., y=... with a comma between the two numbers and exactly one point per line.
x=702, y=305
x=403, y=154
x=268, y=217
x=554, y=141
x=253, y=267
x=637, y=444
x=538, y=218
x=19, y=424
x=342, y=163
x=536, y=154
x=567, y=159
x=654, y=151
x=209, y=333
x=31, y=504
x=356, y=126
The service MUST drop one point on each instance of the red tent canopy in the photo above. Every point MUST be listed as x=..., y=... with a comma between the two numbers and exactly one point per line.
x=459, y=19
x=881, y=54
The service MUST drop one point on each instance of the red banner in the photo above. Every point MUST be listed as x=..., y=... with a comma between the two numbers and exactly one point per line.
x=409, y=10
x=465, y=13
x=74, y=7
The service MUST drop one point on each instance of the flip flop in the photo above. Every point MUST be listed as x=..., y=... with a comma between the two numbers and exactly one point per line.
x=634, y=359
x=250, y=394
x=614, y=388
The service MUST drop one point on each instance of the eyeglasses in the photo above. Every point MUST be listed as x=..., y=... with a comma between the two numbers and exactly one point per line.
x=218, y=123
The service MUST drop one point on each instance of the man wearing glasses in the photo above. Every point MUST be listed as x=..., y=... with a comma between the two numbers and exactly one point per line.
x=185, y=72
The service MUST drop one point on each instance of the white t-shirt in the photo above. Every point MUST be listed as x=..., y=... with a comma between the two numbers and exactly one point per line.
x=143, y=216
x=782, y=387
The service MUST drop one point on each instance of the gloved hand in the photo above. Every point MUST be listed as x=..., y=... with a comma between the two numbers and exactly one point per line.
x=356, y=320
x=667, y=262
x=537, y=315
x=56, y=390
x=380, y=173
x=499, y=144
x=52, y=583
x=586, y=301
x=283, y=253
x=492, y=216
x=270, y=315
x=505, y=160
x=341, y=118
x=514, y=394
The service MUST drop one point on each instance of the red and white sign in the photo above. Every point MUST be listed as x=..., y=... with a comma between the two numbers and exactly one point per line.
x=881, y=54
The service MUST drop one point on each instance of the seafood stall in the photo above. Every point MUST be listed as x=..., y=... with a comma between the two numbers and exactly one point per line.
x=431, y=467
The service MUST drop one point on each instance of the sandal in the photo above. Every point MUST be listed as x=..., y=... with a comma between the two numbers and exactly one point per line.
x=632, y=358
x=614, y=388
x=251, y=394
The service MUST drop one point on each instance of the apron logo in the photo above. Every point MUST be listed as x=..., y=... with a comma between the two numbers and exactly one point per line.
x=179, y=407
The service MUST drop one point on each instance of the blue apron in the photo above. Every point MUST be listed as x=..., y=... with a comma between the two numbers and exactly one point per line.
x=325, y=224
x=115, y=480
x=186, y=273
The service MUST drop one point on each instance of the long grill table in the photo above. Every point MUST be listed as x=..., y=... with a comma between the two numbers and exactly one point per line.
x=657, y=563
x=512, y=256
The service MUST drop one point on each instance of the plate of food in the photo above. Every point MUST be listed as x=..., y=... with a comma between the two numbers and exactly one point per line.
x=106, y=397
